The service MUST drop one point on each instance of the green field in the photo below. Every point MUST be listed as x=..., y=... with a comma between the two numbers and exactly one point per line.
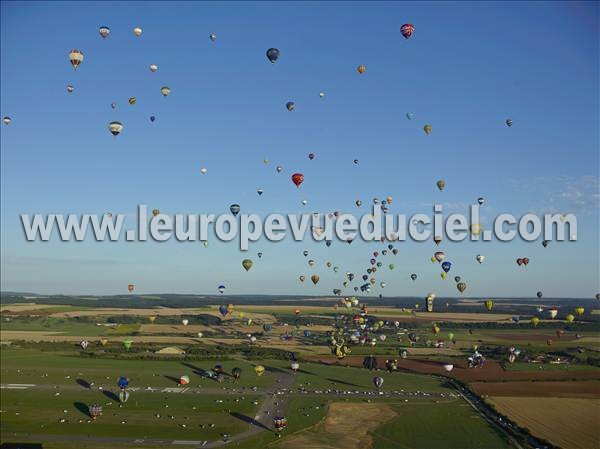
x=36, y=367
x=445, y=425
x=38, y=412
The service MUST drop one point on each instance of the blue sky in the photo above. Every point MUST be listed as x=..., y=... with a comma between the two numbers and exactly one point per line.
x=467, y=68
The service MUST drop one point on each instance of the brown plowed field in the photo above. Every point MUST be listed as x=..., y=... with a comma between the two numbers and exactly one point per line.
x=491, y=371
x=567, y=389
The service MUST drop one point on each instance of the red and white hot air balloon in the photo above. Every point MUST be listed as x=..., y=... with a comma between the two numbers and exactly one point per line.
x=407, y=30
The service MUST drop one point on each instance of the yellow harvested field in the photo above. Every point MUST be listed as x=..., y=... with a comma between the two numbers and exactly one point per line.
x=565, y=422
x=58, y=336
x=339, y=430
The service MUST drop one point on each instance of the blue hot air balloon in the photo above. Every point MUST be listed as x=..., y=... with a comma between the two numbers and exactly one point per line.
x=123, y=382
x=446, y=266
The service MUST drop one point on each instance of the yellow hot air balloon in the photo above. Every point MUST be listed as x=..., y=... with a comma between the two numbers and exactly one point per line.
x=476, y=228
x=427, y=129
x=535, y=321
x=361, y=69
x=570, y=318
x=137, y=31
x=247, y=264
x=76, y=58
x=242, y=314
x=152, y=318
x=165, y=90
x=489, y=304
x=132, y=100
x=579, y=310
x=435, y=328
x=104, y=341
x=443, y=275
x=259, y=370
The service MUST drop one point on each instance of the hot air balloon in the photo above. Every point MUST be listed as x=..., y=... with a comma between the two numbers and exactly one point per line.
x=315, y=279
x=259, y=370
x=132, y=100
x=165, y=90
x=115, y=128
x=84, y=344
x=236, y=373
x=76, y=58
x=427, y=129
x=545, y=243
x=153, y=68
x=553, y=313
x=579, y=311
x=321, y=94
x=295, y=366
x=260, y=192
x=184, y=380
x=297, y=179
x=407, y=30
x=437, y=239
x=435, y=328
x=441, y=184
x=361, y=69
x=461, y=286
x=509, y=122
x=185, y=322
x=204, y=170
x=479, y=258
x=272, y=55
x=570, y=318
x=247, y=264
x=302, y=278
x=130, y=287
x=212, y=37
x=95, y=411
x=429, y=299
x=70, y=88
x=234, y=209
x=448, y=367
x=6, y=120
x=378, y=382
x=103, y=341
x=413, y=277
x=476, y=228
x=123, y=382
x=221, y=288
x=370, y=362
x=104, y=31
x=152, y=118
x=446, y=266
x=489, y=304
x=535, y=321
x=279, y=169
x=123, y=396
x=439, y=256
x=127, y=343
x=290, y=105
x=280, y=423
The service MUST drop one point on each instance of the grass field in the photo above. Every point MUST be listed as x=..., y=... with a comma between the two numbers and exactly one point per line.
x=38, y=412
x=36, y=367
x=445, y=425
